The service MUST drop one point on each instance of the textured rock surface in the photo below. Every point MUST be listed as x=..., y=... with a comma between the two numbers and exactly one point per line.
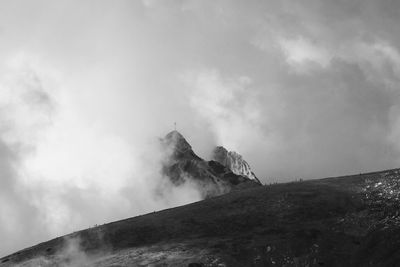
x=211, y=177
x=178, y=148
x=234, y=161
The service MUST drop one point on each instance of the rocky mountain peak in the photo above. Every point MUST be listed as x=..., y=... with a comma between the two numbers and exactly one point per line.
x=176, y=138
x=178, y=146
x=233, y=161
x=211, y=177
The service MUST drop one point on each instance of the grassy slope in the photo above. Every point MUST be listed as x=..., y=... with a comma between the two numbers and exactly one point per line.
x=345, y=221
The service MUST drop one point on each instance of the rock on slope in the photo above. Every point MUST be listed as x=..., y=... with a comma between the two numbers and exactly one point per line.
x=233, y=161
x=211, y=177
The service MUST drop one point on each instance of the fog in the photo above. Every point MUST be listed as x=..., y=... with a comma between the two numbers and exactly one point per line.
x=301, y=90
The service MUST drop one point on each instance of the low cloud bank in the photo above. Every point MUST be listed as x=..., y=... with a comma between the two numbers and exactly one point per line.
x=71, y=254
x=65, y=173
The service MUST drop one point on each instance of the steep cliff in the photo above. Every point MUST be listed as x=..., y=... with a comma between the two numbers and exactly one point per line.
x=212, y=178
x=233, y=161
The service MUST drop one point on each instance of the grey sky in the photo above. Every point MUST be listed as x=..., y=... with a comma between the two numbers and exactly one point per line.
x=302, y=89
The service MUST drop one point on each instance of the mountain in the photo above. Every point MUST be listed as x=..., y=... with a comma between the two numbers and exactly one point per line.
x=179, y=148
x=343, y=221
x=182, y=165
x=233, y=161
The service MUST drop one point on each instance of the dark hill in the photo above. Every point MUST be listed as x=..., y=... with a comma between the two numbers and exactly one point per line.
x=345, y=221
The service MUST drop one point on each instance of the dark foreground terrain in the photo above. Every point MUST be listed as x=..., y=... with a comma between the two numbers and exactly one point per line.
x=344, y=221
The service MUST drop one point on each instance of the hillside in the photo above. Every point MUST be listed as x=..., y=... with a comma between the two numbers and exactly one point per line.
x=343, y=221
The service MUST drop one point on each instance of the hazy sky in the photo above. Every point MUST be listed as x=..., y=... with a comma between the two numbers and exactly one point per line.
x=302, y=89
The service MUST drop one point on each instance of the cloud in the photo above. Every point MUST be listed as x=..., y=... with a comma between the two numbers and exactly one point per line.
x=70, y=254
x=301, y=53
x=24, y=109
x=58, y=166
x=228, y=105
x=379, y=60
x=324, y=122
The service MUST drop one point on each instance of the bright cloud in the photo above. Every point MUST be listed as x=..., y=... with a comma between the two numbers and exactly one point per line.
x=228, y=105
x=300, y=53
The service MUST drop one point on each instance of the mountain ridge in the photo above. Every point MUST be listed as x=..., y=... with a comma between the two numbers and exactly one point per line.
x=211, y=178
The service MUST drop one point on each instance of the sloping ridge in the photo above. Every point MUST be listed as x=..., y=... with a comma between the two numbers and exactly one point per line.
x=344, y=221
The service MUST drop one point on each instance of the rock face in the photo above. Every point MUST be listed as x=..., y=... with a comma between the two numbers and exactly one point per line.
x=212, y=178
x=178, y=148
x=233, y=161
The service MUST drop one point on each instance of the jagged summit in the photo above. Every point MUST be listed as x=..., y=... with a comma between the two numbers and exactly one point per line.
x=178, y=146
x=211, y=177
x=233, y=161
x=175, y=136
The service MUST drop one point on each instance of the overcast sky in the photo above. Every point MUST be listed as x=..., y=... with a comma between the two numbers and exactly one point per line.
x=302, y=89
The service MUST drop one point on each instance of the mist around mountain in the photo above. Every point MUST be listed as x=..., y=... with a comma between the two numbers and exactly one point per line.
x=220, y=175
